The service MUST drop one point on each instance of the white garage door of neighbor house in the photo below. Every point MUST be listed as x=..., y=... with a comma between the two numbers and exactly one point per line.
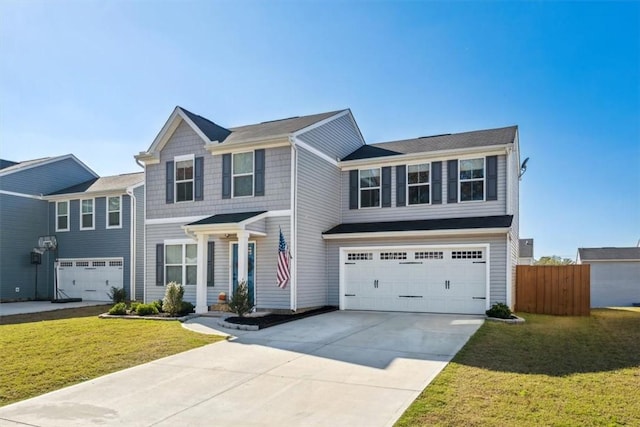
x=431, y=280
x=89, y=279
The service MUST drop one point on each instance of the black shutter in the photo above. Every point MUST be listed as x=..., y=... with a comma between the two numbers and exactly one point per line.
x=259, y=173
x=353, y=189
x=492, y=178
x=452, y=187
x=226, y=176
x=386, y=187
x=170, y=182
x=436, y=183
x=401, y=185
x=159, y=264
x=210, y=255
x=199, y=179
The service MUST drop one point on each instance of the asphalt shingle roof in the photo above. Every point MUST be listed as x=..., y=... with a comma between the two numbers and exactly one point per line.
x=105, y=183
x=229, y=218
x=609, y=254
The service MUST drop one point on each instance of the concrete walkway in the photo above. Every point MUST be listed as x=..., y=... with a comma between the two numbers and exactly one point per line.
x=335, y=369
x=10, y=308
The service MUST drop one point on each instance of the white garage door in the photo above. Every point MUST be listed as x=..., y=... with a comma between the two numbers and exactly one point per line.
x=435, y=280
x=89, y=279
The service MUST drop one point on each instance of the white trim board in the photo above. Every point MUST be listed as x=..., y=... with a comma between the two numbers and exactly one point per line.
x=26, y=196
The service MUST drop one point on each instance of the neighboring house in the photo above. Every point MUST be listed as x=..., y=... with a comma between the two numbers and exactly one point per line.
x=40, y=198
x=615, y=275
x=428, y=224
x=525, y=256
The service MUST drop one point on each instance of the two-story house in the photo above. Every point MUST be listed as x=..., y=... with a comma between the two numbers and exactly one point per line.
x=428, y=224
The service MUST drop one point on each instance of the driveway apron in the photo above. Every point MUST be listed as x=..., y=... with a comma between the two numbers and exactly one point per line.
x=336, y=369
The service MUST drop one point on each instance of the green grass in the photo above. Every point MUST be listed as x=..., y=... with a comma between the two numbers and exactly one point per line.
x=47, y=351
x=560, y=371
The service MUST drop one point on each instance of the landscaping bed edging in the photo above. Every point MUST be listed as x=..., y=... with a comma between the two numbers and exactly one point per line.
x=135, y=317
x=513, y=320
x=236, y=326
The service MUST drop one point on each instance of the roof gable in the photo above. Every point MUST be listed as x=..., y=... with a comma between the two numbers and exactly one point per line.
x=29, y=164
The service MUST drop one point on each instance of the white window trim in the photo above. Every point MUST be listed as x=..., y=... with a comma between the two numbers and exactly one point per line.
x=252, y=174
x=379, y=187
x=417, y=185
x=484, y=180
x=93, y=214
x=108, y=212
x=184, y=158
x=183, y=265
x=68, y=202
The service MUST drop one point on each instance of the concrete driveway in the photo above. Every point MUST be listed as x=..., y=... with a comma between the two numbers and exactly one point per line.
x=335, y=369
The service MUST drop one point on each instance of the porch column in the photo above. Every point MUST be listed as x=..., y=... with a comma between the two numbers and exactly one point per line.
x=243, y=249
x=201, y=286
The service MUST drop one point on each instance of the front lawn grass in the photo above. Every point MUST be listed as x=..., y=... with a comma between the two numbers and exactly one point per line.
x=46, y=351
x=569, y=371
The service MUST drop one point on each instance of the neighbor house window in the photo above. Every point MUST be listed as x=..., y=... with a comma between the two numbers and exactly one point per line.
x=181, y=263
x=86, y=214
x=243, y=174
x=114, y=212
x=62, y=216
x=418, y=184
x=184, y=180
x=370, y=188
x=471, y=180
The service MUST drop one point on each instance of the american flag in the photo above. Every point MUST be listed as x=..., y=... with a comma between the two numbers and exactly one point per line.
x=283, y=274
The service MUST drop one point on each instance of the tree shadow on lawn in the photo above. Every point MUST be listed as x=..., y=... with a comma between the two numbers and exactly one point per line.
x=63, y=313
x=557, y=346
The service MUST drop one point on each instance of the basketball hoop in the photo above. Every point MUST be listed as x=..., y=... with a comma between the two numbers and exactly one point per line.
x=49, y=243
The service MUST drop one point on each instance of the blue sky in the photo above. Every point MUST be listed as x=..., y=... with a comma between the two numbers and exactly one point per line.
x=99, y=79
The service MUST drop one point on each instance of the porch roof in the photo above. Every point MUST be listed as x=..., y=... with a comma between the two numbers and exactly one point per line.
x=228, y=218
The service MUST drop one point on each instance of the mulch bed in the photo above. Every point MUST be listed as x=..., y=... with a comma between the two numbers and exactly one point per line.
x=277, y=319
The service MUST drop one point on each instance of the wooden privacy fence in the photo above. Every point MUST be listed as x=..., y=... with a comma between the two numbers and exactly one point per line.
x=554, y=289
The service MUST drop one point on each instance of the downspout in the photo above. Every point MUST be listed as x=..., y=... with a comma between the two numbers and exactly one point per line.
x=132, y=249
x=294, y=228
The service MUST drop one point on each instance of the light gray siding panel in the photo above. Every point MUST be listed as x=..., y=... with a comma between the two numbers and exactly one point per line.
x=269, y=295
x=139, y=247
x=185, y=141
x=444, y=210
x=497, y=248
x=318, y=209
x=615, y=284
x=337, y=138
x=513, y=189
x=47, y=178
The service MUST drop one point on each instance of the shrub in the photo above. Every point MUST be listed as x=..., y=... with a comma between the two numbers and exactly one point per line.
x=158, y=304
x=146, y=309
x=186, y=308
x=499, y=310
x=117, y=294
x=134, y=305
x=239, y=303
x=118, y=309
x=172, y=302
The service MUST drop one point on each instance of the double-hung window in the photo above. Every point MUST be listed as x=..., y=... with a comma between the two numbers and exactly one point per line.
x=369, y=188
x=472, y=180
x=418, y=180
x=181, y=263
x=242, y=174
x=62, y=216
x=86, y=214
x=184, y=179
x=114, y=212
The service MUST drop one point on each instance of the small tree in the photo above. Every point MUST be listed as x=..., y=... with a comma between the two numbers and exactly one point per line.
x=239, y=303
x=554, y=260
x=172, y=302
x=117, y=295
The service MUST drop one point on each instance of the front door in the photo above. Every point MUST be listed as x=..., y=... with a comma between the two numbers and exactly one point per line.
x=251, y=271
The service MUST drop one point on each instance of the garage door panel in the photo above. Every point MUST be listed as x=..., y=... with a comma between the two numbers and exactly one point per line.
x=89, y=279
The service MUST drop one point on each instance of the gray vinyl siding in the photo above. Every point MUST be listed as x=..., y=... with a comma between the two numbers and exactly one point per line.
x=269, y=295
x=22, y=221
x=100, y=242
x=412, y=212
x=497, y=259
x=337, y=138
x=317, y=211
x=513, y=188
x=615, y=284
x=47, y=178
x=139, y=244
x=185, y=141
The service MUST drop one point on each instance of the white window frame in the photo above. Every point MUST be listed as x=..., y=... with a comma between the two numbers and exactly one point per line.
x=379, y=188
x=68, y=202
x=183, y=265
x=108, y=212
x=185, y=158
x=93, y=214
x=419, y=184
x=252, y=174
x=483, y=179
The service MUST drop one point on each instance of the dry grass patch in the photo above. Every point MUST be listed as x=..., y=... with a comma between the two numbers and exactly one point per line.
x=570, y=371
x=47, y=351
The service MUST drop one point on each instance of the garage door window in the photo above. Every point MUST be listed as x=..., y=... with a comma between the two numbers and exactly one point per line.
x=393, y=255
x=429, y=255
x=360, y=256
x=370, y=188
x=418, y=184
x=86, y=214
x=466, y=255
x=181, y=264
